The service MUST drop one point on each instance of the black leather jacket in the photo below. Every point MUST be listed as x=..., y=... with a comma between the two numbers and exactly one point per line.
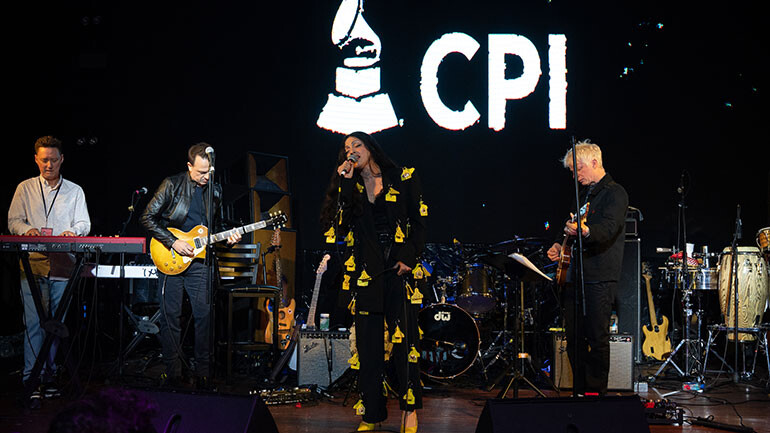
x=170, y=205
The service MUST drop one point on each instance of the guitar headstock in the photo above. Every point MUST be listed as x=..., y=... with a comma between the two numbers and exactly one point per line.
x=646, y=272
x=277, y=220
x=323, y=265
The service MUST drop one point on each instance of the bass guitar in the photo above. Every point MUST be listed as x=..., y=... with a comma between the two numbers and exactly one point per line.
x=170, y=262
x=656, y=342
x=566, y=249
x=285, y=308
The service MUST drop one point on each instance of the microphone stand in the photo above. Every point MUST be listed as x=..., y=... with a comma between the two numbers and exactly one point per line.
x=210, y=259
x=734, y=284
x=135, y=197
x=578, y=313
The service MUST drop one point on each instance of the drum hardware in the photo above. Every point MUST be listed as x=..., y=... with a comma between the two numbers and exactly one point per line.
x=515, y=371
x=693, y=348
x=761, y=343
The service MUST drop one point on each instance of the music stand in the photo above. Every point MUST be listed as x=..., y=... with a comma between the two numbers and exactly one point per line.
x=520, y=269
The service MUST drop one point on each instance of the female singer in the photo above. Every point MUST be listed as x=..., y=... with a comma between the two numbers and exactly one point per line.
x=376, y=209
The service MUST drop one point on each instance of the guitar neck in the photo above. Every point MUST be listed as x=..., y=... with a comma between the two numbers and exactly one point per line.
x=653, y=316
x=314, y=302
x=279, y=277
x=219, y=237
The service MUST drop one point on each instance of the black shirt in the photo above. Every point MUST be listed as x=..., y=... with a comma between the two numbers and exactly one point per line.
x=197, y=214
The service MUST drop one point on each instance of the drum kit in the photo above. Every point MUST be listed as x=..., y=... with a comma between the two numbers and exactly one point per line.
x=467, y=323
x=745, y=278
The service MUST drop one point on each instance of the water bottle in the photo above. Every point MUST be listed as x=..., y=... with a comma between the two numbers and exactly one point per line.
x=614, y=323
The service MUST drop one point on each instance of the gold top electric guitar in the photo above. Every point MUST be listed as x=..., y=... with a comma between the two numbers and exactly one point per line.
x=170, y=262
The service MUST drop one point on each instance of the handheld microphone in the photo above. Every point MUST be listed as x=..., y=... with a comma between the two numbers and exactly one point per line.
x=352, y=158
x=141, y=191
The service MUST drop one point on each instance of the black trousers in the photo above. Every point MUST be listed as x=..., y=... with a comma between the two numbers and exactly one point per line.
x=193, y=281
x=593, y=340
x=371, y=353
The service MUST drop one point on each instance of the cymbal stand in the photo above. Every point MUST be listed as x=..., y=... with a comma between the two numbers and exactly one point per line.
x=503, y=334
x=516, y=374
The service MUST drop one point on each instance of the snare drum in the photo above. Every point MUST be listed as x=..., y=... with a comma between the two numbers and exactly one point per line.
x=763, y=240
x=752, y=289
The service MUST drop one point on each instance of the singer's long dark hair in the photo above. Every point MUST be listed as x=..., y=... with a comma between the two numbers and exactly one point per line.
x=329, y=207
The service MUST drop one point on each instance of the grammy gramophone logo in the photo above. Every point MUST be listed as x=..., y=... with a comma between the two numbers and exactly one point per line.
x=357, y=104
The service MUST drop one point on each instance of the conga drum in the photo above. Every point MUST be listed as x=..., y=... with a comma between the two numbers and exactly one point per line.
x=752, y=289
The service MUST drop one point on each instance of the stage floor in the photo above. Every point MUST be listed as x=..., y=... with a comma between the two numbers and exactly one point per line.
x=449, y=406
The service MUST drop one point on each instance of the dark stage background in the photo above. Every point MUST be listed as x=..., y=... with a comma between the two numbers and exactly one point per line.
x=663, y=87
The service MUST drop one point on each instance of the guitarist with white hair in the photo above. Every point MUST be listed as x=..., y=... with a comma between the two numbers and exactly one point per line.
x=603, y=232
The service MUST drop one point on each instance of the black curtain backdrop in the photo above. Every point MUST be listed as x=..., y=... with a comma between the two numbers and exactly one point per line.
x=129, y=86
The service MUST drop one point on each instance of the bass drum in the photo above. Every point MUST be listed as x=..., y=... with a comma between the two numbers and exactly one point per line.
x=752, y=289
x=450, y=341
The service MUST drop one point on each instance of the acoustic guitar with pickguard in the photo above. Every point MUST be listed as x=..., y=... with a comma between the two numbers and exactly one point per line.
x=656, y=344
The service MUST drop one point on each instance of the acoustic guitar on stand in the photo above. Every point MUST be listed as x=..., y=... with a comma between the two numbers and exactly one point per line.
x=566, y=249
x=170, y=262
x=656, y=342
x=285, y=308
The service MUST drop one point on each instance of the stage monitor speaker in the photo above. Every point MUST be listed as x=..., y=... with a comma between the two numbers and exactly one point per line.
x=316, y=350
x=559, y=415
x=628, y=301
x=621, y=375
x=205, y=413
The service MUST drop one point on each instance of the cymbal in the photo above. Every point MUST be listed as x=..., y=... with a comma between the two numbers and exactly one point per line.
x=518, y=241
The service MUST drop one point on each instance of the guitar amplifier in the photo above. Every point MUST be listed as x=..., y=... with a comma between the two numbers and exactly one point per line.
x=319, y=350
x=621, y=375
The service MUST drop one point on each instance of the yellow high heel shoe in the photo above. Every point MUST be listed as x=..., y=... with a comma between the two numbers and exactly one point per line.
x=365, y=426
x=405, y=429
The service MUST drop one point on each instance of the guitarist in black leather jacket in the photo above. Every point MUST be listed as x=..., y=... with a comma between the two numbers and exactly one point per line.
x=181, y=202
x=603, y=239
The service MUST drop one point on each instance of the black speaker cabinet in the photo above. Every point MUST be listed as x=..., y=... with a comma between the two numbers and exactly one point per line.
x=628, y=300
x=559, y=415
x=621, y=375
x=206, y=413
x=316, y=351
